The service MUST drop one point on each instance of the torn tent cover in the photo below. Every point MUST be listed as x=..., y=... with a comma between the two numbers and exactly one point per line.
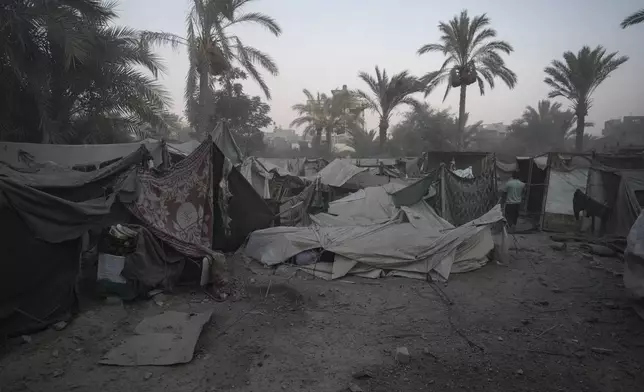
x=397, y=247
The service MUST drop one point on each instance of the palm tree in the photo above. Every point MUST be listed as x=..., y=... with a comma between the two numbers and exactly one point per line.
x=363, y=142
x=473, y=56
x=214, y=50
x=68, y=75
x=387, y=94
x=329, y=114
x=577, y=77
x=312, y=115
x=635, y=18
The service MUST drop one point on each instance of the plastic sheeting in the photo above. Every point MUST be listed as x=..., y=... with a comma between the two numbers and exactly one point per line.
x=561, y=189
x=393, y=246
x=368, y=204
x=257, y=175
x=634, y=260
x=69, y=156
x=338, y=172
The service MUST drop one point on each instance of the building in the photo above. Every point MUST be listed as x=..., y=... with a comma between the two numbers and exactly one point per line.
x=620, y=135
x=282, y=139
x=489, y=137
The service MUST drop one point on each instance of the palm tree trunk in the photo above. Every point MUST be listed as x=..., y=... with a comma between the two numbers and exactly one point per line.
x=579, y=133
x=461, y=116
x=204, y=101
x=329, y=131
x=383, y=126
x=317, y=140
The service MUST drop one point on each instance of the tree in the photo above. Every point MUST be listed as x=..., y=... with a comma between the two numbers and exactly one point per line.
x=69, y=75
x=426, y=129
x=577, y=77
x=246, y=116
x=387, y=94
x=473, y=56
x=214, y=49
x=635, y=18
x=326, y=113
x=363, y=142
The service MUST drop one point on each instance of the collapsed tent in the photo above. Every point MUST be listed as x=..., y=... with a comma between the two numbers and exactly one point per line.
x=396, y=247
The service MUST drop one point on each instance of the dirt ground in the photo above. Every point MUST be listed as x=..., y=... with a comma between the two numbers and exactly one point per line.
x=549, y=321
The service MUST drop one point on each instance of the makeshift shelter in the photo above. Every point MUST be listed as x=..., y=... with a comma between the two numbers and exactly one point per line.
x=456, y=199
x=49, y=209
x=403, y=246
x=479, y=161
x=532, y=171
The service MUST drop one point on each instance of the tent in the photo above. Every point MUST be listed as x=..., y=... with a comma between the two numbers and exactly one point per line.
x=397, y=247
x=48, y=209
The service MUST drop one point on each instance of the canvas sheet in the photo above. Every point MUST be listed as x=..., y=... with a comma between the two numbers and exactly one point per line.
x=165, y=339
x=561, y=189
x=224, y=140
x=294, y=211
x=177, y=206
x=368, y=204
x=394, y=245
x=68, y=156
x=185, y=148
x=338, y=172
x=634, y=259
x=257, y=175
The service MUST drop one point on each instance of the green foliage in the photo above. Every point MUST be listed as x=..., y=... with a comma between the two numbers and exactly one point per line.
x=246, y=116
x=426, y=129
x=473, y=55
x=577, y=77
x=386, y=94
x=364, y=143
x=635, y=18
x=331, y=114
x=68, y=75
x=214, y=49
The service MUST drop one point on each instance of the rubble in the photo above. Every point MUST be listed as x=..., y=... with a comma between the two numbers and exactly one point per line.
x=402, y=355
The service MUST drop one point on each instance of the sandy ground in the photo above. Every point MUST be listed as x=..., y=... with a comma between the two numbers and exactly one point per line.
x=549, y=321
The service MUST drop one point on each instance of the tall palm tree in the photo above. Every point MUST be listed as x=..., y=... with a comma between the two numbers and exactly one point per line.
x=386, y=94
x=635, y=18
x=69, y=75
x=473, y=56
x=577, y=77
x=327, y=113
x=312, y=115
x=214, y=50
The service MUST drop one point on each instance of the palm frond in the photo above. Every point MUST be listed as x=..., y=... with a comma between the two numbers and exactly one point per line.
x=635, y=18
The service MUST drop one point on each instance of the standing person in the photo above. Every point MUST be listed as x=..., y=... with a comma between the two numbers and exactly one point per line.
x=513, y=196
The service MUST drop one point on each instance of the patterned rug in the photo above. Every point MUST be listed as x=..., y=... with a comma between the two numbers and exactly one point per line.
x=469, y=199
x=177, y=205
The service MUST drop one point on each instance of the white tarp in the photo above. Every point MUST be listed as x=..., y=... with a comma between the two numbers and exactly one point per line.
x=68, y=155
x=338, y=172
x=257, y=176
x=561, y=190
x=396, y=245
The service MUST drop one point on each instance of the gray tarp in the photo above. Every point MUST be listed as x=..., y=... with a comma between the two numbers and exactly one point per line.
x=338, y=172
x=634, y=259
x=368, y=204
x=73, y=155
x=394, y=245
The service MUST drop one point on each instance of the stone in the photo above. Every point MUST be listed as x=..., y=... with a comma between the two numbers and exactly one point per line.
x=57, y=373
x=55, y=353
x=558, y=245
x=361, y=374
x=500, y=339
x=252, y=281
x=354, y=388
x=147, y=376
x=402, y=355
x=59, y=326
x=520, y=372
x=26, y=339
x=525, y=321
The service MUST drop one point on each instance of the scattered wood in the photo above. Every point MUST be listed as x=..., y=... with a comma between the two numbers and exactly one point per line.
x=602, y=351
x=548, y=353
x=548, y=330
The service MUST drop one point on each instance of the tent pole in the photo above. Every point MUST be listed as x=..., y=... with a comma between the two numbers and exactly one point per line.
x=545, y=193
x=443, y=193
x=527, y=196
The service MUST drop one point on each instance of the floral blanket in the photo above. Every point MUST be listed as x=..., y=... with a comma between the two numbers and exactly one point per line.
x=177, y=206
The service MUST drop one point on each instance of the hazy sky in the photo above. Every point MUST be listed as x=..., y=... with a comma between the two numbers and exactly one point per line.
x=325, y=43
